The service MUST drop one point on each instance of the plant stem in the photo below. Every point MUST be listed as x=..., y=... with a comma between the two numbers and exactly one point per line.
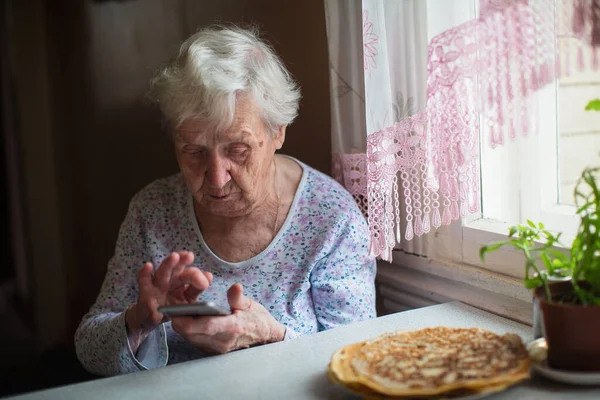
x=579, y=292
x=542, y=278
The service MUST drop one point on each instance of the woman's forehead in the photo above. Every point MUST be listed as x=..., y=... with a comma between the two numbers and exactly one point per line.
x=246, y=120
x=193, y=131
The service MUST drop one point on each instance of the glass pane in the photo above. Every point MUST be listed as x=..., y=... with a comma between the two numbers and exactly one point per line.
x=579, y=130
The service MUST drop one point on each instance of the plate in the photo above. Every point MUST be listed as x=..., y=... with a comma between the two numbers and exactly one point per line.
x=476, y=396
x=473, y=396
x=376, y=396
x=538, y=351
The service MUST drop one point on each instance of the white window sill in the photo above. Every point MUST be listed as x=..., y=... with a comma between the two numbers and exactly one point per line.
x=413, y=281
x=486, y=230
x=506, y=260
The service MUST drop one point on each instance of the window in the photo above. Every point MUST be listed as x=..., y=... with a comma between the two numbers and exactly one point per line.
x=579, y=130
x=530, y=178
x=524, y=179
x=534, y=178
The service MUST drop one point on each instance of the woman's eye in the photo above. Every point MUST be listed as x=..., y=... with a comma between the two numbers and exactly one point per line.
x=195, y=152
x=238, y=150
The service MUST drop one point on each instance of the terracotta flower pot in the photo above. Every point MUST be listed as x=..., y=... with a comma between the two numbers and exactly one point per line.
x=572, y=331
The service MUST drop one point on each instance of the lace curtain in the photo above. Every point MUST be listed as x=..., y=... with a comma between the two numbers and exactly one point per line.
x=409, y=99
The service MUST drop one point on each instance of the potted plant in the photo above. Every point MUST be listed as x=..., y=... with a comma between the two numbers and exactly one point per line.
x=566, y=284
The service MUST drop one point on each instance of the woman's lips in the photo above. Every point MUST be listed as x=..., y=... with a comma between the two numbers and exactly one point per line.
x=218, y=198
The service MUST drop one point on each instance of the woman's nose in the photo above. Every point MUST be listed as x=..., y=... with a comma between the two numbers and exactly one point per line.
x=217, y=173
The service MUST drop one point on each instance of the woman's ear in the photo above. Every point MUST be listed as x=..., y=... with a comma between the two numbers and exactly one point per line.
x=279, y=137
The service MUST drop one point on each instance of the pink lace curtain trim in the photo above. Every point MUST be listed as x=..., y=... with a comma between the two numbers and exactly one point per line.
x=485, y=68
x=350, y=171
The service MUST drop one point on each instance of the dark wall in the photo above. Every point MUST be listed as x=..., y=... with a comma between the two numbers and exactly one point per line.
x=106, y=143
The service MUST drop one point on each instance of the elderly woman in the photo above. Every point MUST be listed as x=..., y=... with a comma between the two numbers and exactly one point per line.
x=280, y=244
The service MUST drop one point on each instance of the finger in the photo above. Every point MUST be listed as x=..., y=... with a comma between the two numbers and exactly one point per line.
x=212, y=325
x=195, y=277
x=185, y=258
x=162, y=276
x=179, y=292
x=188, y=329
x=145, y=277
x=180, y=266
x=209, y=276
x=236, y=298
x=192, y=293
x=198, y=282
x=208, y=326
x=181, y=325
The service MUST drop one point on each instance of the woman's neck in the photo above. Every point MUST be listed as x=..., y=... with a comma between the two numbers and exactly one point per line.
x=241, y=238
x=265, y=211
x=263, y=215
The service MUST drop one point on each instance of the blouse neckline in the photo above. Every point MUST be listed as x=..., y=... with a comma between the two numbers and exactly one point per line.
x=274, y=241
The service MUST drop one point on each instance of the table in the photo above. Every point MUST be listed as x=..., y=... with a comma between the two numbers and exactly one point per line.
x=296, y=369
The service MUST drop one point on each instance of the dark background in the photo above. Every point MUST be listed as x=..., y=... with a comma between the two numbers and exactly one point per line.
x=78, y=140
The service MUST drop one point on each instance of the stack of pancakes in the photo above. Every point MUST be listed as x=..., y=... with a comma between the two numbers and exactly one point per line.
x=435, y=362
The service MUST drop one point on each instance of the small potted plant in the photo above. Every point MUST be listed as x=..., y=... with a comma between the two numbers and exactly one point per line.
x=566, y=284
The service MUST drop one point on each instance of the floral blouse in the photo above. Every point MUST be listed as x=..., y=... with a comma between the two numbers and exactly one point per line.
x=315, y=275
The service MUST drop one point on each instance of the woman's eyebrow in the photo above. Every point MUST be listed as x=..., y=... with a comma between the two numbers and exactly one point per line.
x=184, y=135
x=242, y=135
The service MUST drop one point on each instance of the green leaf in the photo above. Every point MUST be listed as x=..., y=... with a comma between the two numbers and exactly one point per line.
x=593, y=105
x=488, y=248
x=541, y=225
x=533, y=283
x=559, y=255
x=549, y=235
x=584, y=207
x=547, y=262
x=521, y=246
x=531, y=224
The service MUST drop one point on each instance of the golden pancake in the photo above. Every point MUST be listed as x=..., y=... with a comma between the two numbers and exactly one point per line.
x=370, y=394
x=440, y=362
x=340, y=363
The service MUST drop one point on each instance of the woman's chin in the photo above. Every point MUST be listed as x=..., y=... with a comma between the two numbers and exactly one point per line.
x=222, y=207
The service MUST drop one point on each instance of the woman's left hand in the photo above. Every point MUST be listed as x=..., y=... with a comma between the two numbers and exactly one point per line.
x=249, y=324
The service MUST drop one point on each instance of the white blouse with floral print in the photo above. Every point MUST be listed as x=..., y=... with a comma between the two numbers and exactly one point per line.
x=316, y=274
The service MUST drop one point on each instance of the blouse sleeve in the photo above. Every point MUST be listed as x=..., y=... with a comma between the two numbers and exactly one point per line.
x=101, y=340
x=343, y=282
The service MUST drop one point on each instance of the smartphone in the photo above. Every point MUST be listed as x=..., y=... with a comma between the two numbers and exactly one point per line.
x=193, y=310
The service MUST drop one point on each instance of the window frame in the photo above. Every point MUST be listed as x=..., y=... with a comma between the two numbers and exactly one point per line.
x=532, y=196
x=452, y=252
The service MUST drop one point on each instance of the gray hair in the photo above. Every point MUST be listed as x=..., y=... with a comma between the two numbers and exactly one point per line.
x=216, y=64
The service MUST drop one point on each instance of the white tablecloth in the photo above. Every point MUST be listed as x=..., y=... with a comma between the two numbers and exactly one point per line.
x=296, y=369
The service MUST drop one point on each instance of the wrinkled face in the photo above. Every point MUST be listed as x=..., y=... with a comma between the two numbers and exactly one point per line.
x=228, y=172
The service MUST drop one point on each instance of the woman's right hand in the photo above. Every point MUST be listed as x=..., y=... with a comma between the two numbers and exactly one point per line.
x=171, y=283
